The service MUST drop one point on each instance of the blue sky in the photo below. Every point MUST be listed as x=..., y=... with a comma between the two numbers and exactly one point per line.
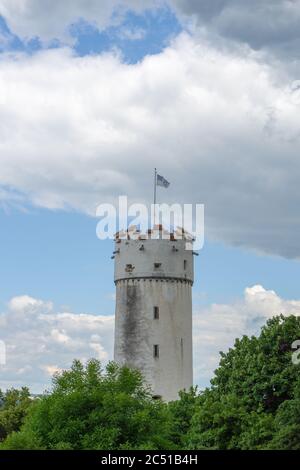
x=138, y=35
x=152, y=30
x=57, y=256
x=90, y=102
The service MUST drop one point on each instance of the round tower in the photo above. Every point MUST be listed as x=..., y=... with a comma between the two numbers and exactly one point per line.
x=153, y=326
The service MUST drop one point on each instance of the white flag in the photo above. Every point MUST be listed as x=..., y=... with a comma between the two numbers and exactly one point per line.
x=161, y=181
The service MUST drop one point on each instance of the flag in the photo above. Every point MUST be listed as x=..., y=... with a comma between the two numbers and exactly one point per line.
x=161, y=181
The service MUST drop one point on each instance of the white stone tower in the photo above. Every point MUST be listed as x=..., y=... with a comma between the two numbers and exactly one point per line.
x=153, y=326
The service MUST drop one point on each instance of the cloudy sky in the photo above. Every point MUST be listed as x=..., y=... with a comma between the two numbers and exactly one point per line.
x=93, y=95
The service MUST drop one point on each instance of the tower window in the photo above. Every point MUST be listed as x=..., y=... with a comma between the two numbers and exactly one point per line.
x=156, y=313
x=157, y=265
x=157, y=397
x=185, y=264
x=156, y=351
x=129, y=268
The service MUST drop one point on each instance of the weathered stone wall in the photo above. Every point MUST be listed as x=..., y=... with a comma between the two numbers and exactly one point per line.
x=139, y=288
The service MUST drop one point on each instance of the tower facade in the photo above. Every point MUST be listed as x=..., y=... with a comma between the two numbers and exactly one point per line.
x=153, y=323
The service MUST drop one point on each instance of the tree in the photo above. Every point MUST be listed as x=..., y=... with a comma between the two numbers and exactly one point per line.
x=253, y=403
x=287, y=424
x=253, y=393
x=89, y=408
x=182, y=412
x=14, y=406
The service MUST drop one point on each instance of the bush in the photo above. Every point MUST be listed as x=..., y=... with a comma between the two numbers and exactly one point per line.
x=253, y=402
x=92, y=409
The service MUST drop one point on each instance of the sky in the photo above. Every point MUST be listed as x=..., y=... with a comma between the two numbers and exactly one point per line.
x=93, y=96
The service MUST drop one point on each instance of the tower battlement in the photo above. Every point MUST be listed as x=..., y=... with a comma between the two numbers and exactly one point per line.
x=154, y=274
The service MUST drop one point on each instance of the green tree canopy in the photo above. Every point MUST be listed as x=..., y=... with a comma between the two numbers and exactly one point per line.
x=182, y=412
x=255, y=392
x=89, y=408
x=14, y=405
x=253, y=403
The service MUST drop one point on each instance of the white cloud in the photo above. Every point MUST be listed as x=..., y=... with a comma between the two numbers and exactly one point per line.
x=51, y=369
x=41, y=341
x=60, y=336
x=76, y=131
x=26, y=304
x=269, y=24
x=132, y=34
x=217, y=327
x=49, y=19
x=273, y=25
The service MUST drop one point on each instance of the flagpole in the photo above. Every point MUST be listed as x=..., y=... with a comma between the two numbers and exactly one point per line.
x=155, y=178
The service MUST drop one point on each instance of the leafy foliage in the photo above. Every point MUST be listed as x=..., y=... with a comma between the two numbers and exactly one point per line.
x=253, y=395
x=14, y=405
x=182, y=412
x=89, y=409
x=253, y=403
